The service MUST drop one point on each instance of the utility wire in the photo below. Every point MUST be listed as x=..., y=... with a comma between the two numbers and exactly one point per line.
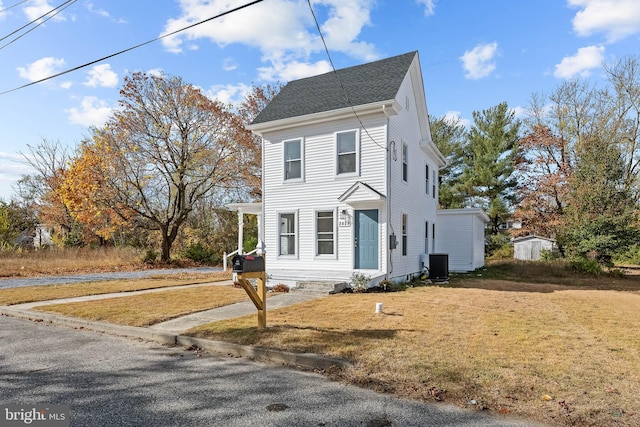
x=12, y=6
x=344, y=91
x=39, y=23
x=131, y=48
x=35, y=20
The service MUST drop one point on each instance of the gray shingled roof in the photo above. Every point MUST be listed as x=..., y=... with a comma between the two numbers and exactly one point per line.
x=364, y=84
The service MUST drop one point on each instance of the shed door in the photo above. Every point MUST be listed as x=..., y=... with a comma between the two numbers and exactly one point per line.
x=366, y=239
x=536, y=249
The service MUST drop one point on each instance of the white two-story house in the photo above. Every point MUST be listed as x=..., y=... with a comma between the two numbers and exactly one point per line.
x=350, y=175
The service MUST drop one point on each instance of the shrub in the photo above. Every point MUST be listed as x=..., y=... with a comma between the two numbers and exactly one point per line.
x=360, y=281
x=198, y=253
x=280, y=287
x=150, y=256
x=585, y=265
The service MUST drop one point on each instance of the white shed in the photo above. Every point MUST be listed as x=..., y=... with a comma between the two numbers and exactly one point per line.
x=529, y=248
x=461, y=236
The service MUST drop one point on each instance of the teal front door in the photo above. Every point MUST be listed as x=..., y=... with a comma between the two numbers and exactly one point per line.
x=366, y=239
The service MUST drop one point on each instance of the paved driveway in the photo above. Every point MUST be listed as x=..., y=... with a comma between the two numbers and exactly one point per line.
x=109, y=381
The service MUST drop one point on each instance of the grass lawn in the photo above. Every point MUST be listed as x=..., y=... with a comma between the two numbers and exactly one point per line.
x=148, y=309
x=522, y=339
x=49, y=292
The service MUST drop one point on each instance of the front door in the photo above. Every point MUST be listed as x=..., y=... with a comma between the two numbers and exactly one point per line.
x=366, y=239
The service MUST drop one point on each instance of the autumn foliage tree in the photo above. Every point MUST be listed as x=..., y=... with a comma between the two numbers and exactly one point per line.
x=165, y=149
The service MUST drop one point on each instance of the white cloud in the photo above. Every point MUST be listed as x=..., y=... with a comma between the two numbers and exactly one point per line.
x=2, y=14
x=456, y=117
x=92, y=112
x=429, y=6
x=283, y=30
x=156, y=72
x=520, y=112
x=617, y=19
x=38, y=8
x=228, y=94
x=288, y=70
x=229, y=64
x=40, y=69
x=479, y=61
x=586, y=59
x=101, y=12
x=101, y=75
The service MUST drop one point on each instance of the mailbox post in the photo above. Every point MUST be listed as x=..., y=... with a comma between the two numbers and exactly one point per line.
x=247, y=267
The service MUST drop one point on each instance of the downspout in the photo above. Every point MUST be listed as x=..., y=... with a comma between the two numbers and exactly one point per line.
x=389, y=218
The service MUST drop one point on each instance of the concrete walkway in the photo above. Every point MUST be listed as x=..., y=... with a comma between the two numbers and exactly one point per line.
x=240, y=309
x=184, y=323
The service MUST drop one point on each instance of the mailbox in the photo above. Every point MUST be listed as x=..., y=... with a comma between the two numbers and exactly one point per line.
x=248, y=264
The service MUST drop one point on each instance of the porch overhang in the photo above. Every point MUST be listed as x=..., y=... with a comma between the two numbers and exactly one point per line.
x=361, y=193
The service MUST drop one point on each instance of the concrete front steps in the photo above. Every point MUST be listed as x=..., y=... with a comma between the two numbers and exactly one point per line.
x=319, y=287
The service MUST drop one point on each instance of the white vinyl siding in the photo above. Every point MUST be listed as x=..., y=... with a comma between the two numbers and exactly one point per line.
x=293, y=159
x=347, y=153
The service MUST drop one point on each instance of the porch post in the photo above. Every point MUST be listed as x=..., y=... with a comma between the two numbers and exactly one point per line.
x=240, y=230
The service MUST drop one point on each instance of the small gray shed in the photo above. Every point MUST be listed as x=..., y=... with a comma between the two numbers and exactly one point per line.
x=529, y=248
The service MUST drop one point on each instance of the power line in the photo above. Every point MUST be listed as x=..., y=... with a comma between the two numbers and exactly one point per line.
x=131, y=48
x=60, y=9
x=35, y=20
x=12, y=6
x=344, y=91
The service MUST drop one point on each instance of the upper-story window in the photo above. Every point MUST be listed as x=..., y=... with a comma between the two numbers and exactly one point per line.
x=405, y=162
x=293, y=159
x=433, y=192
x=347, y=152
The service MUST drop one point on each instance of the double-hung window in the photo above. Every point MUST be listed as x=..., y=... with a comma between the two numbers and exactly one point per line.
x=347, y=152
x=325, y=236
x=433, y=192
x=426, y=237
x=404, y=234
x=293, y=159
x=287, y=232
x=405, y=162
x=426, y=176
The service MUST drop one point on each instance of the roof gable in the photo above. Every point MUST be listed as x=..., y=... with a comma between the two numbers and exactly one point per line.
x=363, y=84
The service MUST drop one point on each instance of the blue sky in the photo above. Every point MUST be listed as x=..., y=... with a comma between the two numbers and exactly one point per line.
x=474, y=54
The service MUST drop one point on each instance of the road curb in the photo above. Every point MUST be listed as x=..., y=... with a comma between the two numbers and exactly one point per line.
x=306, y=360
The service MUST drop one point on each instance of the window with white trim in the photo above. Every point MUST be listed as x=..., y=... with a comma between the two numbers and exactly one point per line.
x=405, y=162
x=426, y=237
x=426, y=176
x=293, y=159
x=404, y=234
x=433, y=192
x=433, y=236
x=287, y=234
x=347, y=152
x=325, y=236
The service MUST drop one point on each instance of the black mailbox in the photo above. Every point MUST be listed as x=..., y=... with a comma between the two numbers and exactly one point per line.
x=247, y=264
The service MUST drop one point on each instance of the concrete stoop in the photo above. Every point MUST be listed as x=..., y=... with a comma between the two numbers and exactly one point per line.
x=320, y=287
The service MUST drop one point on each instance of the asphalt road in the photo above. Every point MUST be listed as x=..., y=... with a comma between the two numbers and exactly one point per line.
x=95, y=277
x=111, y=381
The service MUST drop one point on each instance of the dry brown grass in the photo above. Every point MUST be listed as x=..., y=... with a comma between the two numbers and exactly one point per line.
x=49, y=292
x=531, y=340
x=69, y=260
x=148, y=309
x=505, y=349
